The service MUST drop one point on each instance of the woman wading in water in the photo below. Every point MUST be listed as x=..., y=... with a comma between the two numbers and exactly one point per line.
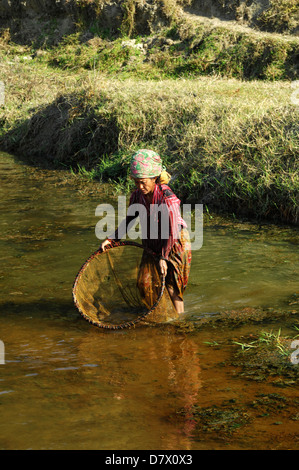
x=161, y=205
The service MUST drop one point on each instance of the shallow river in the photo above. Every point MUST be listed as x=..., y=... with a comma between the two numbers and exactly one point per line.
x=66, y=384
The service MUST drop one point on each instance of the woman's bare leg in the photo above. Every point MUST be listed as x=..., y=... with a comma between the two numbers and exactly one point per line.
x=176, y=300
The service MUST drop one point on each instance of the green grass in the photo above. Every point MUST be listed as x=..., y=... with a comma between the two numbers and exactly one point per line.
x=271, y=342
x=281, y=16
x=231, y=144
x=185, y=49
x=207, y=51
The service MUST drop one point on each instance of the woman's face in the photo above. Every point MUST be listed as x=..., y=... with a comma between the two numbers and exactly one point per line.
x=145, y=185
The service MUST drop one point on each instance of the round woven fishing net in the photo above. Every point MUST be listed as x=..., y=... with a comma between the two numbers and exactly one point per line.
x=122, y=286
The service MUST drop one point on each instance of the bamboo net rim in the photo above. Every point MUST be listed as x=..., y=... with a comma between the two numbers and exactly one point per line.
x=126, y=324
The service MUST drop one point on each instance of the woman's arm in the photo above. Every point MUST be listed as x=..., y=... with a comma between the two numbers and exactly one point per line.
x=163, y=267
x=121, y=230
x=172, y=204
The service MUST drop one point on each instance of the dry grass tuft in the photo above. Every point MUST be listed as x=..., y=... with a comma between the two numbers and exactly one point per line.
x=232, y=145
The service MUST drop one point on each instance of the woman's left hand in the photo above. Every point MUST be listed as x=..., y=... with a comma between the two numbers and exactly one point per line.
x=163, y=266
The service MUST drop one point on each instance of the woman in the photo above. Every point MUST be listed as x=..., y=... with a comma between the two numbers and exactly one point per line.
x=173, y=246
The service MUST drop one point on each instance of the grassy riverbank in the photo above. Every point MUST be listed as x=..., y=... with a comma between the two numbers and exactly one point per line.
x=231, y=144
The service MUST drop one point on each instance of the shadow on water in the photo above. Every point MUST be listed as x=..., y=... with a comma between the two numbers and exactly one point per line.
x=40, y=309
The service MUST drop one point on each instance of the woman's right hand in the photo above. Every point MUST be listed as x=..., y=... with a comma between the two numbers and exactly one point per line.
x=104, y=244
x=163, y=266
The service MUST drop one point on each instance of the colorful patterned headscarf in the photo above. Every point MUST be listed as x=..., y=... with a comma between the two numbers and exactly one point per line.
x=146, y=164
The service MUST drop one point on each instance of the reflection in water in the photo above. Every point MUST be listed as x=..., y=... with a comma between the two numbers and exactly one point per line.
x=67, y=385
x=157, y=375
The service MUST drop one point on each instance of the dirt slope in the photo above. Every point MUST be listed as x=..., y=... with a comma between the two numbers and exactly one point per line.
x=47, y=21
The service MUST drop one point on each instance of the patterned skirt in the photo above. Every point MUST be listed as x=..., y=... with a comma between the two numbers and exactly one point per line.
x=179, y=263
x=178, y=267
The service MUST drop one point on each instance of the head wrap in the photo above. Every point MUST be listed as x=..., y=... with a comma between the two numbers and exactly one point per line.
x=146, y=164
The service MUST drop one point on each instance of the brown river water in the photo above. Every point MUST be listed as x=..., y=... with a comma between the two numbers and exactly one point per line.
x=65, y=384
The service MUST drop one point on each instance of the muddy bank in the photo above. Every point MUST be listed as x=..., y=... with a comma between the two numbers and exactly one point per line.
x=226, y=422
x=260, y=359
x=267, y=361
x=255, y=351
x=236, y=318
x=267, y=15
x=47, y=21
